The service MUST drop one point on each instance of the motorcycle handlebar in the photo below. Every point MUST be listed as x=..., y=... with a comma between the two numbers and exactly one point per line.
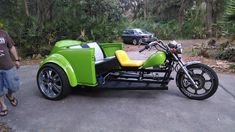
x=145, y=47
x=154, y=43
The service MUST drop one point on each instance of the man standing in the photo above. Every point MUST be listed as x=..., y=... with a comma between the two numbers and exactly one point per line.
x=8, y=78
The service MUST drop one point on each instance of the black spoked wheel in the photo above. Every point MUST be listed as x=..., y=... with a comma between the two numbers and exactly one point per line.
x=204, y=77
x=53, y=82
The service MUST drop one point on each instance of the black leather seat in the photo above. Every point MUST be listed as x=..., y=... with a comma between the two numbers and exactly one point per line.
x=106, y=65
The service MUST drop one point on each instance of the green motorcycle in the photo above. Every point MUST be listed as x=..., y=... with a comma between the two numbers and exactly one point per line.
x=73, y=64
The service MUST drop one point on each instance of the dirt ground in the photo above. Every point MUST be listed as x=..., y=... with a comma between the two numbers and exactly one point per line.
x=186, y=44
x=30, y=61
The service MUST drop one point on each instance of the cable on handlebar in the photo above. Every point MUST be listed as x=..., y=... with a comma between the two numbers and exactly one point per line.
x=154, y=44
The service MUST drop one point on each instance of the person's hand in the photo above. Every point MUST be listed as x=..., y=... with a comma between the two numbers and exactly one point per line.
x=17, y=64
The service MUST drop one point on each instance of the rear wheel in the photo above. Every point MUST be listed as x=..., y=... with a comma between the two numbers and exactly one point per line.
x=53, y=82
x=204, y=77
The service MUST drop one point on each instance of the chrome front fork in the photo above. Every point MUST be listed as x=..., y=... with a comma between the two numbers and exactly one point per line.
x=186, y=71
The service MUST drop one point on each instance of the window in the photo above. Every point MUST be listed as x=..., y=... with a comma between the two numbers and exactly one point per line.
x=131, y=32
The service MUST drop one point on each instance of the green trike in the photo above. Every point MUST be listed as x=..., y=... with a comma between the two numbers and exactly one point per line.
x=72, y=64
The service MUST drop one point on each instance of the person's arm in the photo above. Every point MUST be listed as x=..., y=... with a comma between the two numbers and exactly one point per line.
x=12, y=49
x=15, y=55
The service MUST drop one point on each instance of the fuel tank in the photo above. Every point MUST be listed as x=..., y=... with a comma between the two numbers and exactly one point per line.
x=156, y=59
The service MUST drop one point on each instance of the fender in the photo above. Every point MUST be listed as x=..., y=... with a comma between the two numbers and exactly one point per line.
x=64, y=64
x=191, y=63
x=78, y=65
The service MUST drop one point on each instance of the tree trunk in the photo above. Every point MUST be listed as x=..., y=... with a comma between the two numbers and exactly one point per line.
x=181, y=15
x=26, y=3
x=218, y=7
x=45, y=11
x=89, y=8
x=209, y=17
x=50, y=10
x=37, y=8
x=218, y=11
x=145, y=9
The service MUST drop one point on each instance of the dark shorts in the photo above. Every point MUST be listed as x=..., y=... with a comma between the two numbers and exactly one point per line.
x=9, y=80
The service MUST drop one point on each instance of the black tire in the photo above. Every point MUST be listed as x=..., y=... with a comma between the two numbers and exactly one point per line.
x=140, y=41
x=124, y=41
x=200, y=79
x=57, y=83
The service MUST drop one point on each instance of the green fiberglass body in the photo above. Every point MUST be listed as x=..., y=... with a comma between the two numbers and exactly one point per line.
x=78, y=63
x=73, y=64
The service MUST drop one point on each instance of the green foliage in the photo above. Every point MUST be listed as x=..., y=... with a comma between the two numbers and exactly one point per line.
x=232, y=66
x=106, y=31
x=168, y=30
x=228, y=24
x=148, y=25
x=229, y=13
x=164, y=10
x=224, y=28
x=228, y=54
x=105, y=20
x=194, y=52
x=50, y=21
x=162, y=30
x=194, y=26
x=165, y=27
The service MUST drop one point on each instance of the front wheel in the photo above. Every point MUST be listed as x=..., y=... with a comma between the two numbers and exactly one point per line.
x=205, y=78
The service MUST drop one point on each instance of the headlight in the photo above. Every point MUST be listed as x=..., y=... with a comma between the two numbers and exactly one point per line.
x=179, y=49
x=177, y=46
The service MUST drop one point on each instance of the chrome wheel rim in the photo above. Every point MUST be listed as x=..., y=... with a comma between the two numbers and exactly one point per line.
x=50, y=83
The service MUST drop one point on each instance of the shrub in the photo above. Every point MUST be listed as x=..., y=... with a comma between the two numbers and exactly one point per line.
x=162, y=29
x=228, y=54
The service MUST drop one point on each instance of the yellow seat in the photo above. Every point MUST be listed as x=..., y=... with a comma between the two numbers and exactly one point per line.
x=125, y=61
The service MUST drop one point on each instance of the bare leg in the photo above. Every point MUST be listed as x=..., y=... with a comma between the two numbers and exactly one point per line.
x=2, y=103
x=11, y=98
x=10, y=94
x=4, y=110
